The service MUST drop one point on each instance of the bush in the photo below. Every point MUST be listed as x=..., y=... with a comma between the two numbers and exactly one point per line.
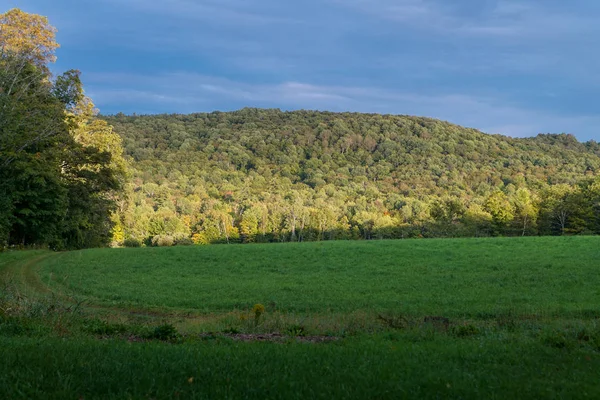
x=131, y=242
x=200, y=238
x=183, y=240
x=165, y=332
x=163, y=241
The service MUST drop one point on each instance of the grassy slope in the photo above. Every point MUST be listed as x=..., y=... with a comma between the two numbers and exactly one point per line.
x=466, y=278
x=554, y=356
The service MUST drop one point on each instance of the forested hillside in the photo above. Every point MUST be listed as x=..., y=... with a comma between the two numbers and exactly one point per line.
x=267, y=175
x=262, y=175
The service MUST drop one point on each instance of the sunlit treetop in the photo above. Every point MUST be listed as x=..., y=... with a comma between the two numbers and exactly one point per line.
x=28, y=35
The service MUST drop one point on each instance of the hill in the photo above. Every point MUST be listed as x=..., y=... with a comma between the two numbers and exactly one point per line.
x=268, y=175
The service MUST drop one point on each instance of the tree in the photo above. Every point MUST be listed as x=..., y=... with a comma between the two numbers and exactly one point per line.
x=556, y=208
x=526, y=209
x=307, y=175
x=27, y=45
x=26, y=99
x=498, y=205
x=60, y=168
x=28, y=35
x=32, y=130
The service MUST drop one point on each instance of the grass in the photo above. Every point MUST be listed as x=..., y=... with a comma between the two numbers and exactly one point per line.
x=464, y=318
x=455, y=278
x=361, y=368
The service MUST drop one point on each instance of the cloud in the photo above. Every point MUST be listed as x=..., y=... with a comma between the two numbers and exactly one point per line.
x=188, y=92
x=506, y=19
x=413, y=12
x=511, y=66
x=209, y=11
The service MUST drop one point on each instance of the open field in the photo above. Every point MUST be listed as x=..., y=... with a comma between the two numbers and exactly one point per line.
x=468, y=318
x=455, y=278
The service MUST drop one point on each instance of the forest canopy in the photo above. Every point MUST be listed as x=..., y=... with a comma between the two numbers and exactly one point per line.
x=267, y=175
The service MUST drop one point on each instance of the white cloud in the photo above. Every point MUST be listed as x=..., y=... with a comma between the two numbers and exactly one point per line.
x=188, y=92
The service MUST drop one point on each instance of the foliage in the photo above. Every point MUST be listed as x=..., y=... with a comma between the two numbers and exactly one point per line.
x=163, y=241
x=164, y=332
x=269, y=176
x=131, y=242
x=28, y=34
x=61, y=168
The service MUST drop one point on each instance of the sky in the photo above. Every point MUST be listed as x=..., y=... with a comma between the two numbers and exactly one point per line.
x=514, y=67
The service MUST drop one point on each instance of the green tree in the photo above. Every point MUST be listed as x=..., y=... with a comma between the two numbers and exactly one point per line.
x=526, y=209
x=501, y=210
x=58, y=188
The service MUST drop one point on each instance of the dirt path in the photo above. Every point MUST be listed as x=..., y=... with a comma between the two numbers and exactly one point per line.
x=24, y=273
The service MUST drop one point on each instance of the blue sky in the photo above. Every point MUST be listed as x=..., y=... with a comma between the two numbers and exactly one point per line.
x=516, y=67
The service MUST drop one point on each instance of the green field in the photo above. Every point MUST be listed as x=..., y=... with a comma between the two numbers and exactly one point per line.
x=454, y=278
x=464, y=318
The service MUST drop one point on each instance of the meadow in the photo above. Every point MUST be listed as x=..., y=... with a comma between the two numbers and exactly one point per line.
x=451, y=318
x=454, y=278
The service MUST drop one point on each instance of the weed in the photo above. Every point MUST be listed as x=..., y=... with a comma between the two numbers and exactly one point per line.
x=164, y=332
x=296, y=330
x=258, y=310
x=465, y=330
x=437, y=322
x=394, y=321
x=590, y=337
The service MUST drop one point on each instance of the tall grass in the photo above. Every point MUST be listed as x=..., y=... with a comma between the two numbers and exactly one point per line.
x=380, y=368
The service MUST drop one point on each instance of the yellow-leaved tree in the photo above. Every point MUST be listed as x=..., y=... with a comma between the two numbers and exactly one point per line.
x=27, y=45
x=29, y=35
x=91, y=132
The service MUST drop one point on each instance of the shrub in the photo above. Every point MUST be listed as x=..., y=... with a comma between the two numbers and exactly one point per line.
x=183, y=240
x=165, y=332
x=131, y=242
x=163, y=241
